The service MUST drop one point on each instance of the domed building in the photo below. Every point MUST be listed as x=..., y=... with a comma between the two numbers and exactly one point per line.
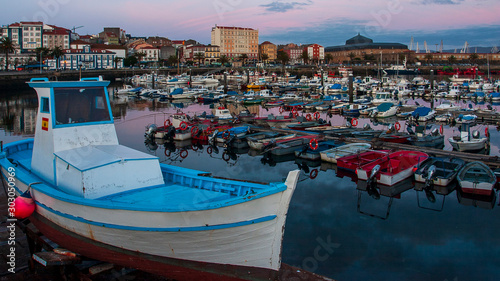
x=362, y=48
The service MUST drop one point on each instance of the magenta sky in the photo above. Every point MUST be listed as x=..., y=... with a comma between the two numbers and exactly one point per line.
x=299, y=21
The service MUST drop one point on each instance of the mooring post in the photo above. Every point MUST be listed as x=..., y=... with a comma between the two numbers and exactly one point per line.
x=351, y=89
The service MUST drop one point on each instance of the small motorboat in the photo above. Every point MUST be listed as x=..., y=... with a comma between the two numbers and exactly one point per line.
x=439, y=170
x=398, y=166
x=312, y=150
x=385, y=110
x=331, y=155
x=476, y=178
x=422, y=113
x=352, y=162
x=288, y=146
x=433, y=139
x=466, y=142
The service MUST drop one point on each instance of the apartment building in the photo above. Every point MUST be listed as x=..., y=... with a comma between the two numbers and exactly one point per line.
x=236, y=41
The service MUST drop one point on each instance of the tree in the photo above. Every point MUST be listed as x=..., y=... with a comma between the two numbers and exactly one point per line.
x=473, y=57
x=130, y=61
x=429, y=57
x=139, y=56
x=243, y=57
x=305, y=56
x=223, y=59
x=57, y=52
x=265, y=57
x=351, y=56
x=172, y=60
x=452, y=59
x=328, y=58
x=199, y=56
x=117, y=60
x=283, y=58
x=7, y=46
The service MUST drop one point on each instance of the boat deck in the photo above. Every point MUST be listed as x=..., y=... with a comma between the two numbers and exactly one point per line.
x=164, y=195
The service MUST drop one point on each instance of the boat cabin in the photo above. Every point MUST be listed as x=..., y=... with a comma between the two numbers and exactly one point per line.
x=76, y=147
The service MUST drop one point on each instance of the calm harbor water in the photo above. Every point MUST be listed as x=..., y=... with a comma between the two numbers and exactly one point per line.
x=334, y=227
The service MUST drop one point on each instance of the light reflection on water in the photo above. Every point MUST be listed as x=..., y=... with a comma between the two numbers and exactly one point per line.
x=334, y=228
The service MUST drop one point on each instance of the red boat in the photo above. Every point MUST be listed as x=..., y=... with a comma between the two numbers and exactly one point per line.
x=395, y=137
x=352, y=162
x=396, y=167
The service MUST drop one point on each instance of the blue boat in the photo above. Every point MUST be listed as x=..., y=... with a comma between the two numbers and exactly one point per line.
x=109, y=202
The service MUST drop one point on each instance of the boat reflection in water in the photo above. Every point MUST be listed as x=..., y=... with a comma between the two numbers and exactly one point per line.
x=376, y=192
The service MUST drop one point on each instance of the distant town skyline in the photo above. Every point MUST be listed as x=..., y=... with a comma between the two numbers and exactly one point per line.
x=327, y=23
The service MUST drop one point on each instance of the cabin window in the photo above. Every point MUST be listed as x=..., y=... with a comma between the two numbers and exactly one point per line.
x=44, y=107
x=80, y=105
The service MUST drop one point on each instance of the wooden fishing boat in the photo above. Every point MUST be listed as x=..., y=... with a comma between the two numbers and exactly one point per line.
x=397, y=167
x=444, y=171
x=112, y=203
x=259, y=144
x=476, y=178
x=331, y=155
x=288, y=146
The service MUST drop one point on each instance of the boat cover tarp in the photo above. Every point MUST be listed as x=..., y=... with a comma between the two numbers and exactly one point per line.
x=177, y=91
x=421, y=111
x=384, y=106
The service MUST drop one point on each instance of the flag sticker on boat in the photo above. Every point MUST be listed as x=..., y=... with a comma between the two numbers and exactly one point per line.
x=45, y=124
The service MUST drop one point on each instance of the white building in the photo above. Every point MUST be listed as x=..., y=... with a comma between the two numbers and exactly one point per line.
x=87, y=58
x=32, y=36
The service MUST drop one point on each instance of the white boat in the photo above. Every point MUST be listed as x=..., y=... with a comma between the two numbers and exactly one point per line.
x=466, y=142
x=476, y=178
x=223, y=113
x=385, y=110
x=423, y=113
x=109, y=202
x=447, y=106
x=331, y=155
x=383, y=97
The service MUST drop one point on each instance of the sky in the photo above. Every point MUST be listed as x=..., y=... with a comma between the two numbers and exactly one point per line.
x=326, y=22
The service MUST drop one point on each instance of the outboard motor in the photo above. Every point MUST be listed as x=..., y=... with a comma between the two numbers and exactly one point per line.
x=435, y=132
x=390, y=128
x=373, y=174
x=429, y=179
x=151, y=130
x=410, y=130
x=476, y=134
x=366, y=127
x=269, y=145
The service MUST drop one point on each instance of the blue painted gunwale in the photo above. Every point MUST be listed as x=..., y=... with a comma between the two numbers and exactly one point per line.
x=24, y=175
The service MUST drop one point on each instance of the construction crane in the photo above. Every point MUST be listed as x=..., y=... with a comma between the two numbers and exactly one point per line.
x=465, y=49
x=76, y=27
